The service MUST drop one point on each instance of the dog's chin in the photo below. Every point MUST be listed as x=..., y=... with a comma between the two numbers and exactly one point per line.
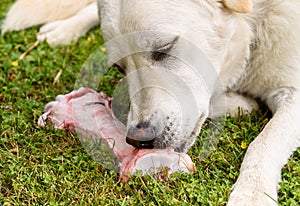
x=175, y=143
x=183, y=147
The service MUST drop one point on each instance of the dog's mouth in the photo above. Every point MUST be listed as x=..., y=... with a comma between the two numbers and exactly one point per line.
x=172, y=137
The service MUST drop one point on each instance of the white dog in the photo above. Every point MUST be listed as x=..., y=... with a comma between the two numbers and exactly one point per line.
x=254, y=46
x=65, y=20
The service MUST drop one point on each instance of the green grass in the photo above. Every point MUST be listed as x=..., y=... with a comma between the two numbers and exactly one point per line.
x=50, y=167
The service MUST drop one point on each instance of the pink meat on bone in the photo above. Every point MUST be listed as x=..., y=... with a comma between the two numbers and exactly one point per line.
x=88, y=113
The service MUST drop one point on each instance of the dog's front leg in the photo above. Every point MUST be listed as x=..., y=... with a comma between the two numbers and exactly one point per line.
x=70, y=29
x=260, y=172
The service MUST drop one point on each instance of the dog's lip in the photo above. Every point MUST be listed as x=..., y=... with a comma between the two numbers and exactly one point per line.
x=199, y=124
x=141, y=144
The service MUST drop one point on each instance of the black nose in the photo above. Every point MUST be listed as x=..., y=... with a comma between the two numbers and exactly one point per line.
x=141, y=136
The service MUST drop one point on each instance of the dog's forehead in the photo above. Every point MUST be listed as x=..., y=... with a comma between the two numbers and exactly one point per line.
x=155, y=15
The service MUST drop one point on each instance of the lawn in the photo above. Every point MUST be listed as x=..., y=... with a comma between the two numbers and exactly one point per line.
x=50, y=167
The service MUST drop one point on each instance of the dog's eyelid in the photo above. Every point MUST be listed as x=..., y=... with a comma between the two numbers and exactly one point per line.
x=162, y=52
x=167, y=46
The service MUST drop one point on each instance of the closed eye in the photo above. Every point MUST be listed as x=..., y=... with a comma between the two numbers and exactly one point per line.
x=159, y=55
x=163, y=52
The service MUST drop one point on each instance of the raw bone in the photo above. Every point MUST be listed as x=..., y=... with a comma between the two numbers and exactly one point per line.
x=89, y=114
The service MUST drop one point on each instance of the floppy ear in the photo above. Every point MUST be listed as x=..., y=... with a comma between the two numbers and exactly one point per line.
x=109, y=12
x=240, y=6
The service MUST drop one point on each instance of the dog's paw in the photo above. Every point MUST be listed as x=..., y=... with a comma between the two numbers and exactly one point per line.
x=249, y=192
x=245, y=199
x=61, y=32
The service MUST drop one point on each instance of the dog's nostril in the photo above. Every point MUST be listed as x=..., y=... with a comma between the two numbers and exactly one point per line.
x=143, y=125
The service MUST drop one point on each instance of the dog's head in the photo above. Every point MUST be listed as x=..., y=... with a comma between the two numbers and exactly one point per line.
x=160, y=43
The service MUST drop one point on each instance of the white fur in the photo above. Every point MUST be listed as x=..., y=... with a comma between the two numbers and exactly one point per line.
x=65, y=20
x=70, y=29
x=256, y=53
